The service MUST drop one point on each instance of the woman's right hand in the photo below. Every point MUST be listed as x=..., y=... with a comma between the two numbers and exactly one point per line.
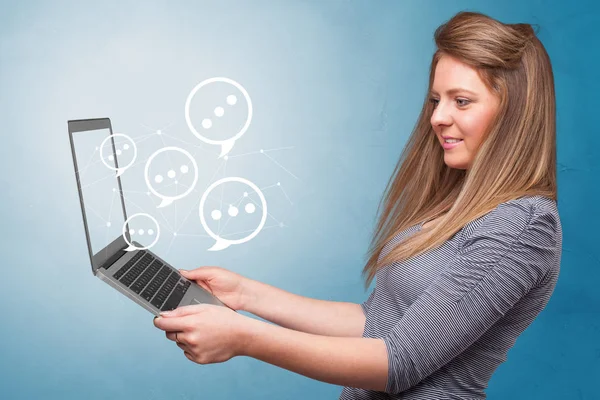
x=229, y=287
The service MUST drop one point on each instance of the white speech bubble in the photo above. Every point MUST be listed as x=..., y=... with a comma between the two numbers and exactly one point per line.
x=131, y=246
x=166, y=200
x=227, y=144
x=119, y=170
x=222, y=243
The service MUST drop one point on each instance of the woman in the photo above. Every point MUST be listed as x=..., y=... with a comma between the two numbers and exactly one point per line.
x=466, y=252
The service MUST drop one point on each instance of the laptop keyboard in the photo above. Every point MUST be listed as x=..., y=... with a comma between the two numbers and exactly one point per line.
x=154, y=281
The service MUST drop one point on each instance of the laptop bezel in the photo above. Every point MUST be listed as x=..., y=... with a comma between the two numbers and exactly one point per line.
x=114, y=250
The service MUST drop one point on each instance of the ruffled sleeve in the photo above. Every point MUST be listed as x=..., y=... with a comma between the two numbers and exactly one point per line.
x=497, y=264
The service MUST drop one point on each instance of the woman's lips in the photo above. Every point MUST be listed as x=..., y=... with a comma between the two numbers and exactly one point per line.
x=448, y=146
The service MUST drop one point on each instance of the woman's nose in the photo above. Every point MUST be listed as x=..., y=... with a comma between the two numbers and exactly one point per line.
x=441, y=115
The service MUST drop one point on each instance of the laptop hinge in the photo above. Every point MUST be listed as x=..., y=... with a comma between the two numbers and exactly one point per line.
x=112, y=259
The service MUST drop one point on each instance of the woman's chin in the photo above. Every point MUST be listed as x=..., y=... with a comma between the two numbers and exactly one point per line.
x=455, y=162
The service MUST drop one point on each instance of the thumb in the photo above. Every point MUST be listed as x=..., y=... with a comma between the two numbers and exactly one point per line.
x=198, y=273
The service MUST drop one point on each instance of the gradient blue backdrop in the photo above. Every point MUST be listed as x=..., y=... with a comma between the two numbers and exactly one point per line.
x=339, y=84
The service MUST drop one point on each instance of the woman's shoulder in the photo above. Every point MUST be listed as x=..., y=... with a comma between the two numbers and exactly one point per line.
x=513, y=217
x=532, y=209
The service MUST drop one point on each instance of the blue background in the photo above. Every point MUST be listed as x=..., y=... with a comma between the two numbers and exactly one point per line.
x=337, y=87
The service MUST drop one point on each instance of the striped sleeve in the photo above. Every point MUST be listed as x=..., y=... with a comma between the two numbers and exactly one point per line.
x=365, y=306
x=496, y=265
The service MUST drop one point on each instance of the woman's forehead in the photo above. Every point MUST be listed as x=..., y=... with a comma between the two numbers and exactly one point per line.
x=452, y=75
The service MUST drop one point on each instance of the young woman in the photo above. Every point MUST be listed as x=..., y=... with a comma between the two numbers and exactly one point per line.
x=466, y=252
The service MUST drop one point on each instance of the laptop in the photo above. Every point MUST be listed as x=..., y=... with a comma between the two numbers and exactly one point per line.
x=125, y=264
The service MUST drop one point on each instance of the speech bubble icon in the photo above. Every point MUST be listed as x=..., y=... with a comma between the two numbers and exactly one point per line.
x=166, y=200
x=112, y=156
x=222, y=243
x=148, y=231
x=227, y=144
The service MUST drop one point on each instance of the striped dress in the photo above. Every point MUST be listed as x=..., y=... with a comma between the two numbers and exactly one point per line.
x=449, y=316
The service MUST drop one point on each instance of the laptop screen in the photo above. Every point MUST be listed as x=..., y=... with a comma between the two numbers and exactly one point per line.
x=97, y=172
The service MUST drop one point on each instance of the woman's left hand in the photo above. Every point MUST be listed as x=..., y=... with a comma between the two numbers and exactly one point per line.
x=206, y=333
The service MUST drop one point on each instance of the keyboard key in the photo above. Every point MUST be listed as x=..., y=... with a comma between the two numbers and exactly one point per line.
x=128, y=265
x=137, y=269
x=165, y=290
x=141, y=282
x=156, y=282
x=175, y=298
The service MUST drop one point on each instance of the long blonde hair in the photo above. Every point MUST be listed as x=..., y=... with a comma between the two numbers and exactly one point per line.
x=516, y=158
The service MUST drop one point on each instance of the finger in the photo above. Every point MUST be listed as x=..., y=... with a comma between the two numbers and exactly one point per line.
x=172, y=323
x=184, y=310
x=173, y=336
x=199, y=273
x=203, y=285
x=201, y=276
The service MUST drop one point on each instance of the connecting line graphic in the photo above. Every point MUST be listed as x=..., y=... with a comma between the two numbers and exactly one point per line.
x=170, y=124
x=222, y=194
x=264, y=152
x=112, y=201
x=140, y=139
x=170, y=244
x=260, y=206
x=198, y=202
x=80, y=171
x=229, y=234
x=171, y=164
x=161, y=132
x=278, y=184
x=229, y=219
x=97, y=151
x=220, y=202
x=195, y=190
x=163, y=215
x=222, y=166
x=280, y=224
x=186, y=143
x=249, y=230
x=112, y=176
x=87, y=207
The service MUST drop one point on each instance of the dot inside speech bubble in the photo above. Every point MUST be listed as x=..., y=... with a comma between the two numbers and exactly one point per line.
x=140, y=227
x=170, y=174
x=223, y=106
x=232, y=211
x=124, y=147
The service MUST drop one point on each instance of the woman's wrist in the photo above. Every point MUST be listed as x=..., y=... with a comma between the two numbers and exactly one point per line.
x=249, y=294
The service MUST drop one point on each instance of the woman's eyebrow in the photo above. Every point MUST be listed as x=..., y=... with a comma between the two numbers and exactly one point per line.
x=454, y=91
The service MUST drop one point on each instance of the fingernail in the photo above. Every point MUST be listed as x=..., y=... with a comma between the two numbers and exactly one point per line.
x=165, y=313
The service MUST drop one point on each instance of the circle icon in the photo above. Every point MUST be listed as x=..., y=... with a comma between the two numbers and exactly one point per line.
x=227, y=144
x=166, y=200
x=140, y=232
x=222, y=243
x=120, y=170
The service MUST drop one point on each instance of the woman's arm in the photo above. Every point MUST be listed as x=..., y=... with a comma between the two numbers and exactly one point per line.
x=345, y=361
x=496, y=266
x=289, y=310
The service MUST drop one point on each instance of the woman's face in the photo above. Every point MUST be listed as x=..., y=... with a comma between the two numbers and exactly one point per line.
x=463, y=108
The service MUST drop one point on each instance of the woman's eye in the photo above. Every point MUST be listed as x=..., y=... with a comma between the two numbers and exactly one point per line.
x=461, y=102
